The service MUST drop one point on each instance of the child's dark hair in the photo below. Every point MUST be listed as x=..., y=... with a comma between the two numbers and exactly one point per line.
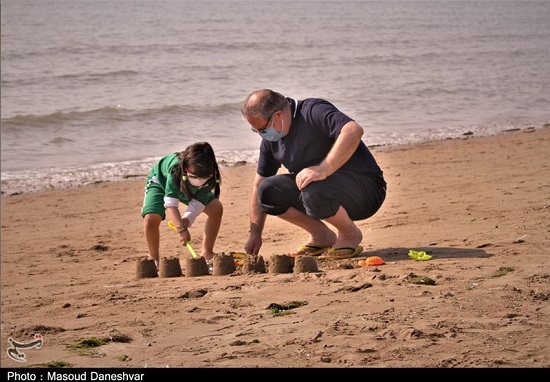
x=201, y=158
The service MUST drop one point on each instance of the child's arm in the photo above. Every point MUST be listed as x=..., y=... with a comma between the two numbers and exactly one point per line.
x=194, y=209
x=181, y=224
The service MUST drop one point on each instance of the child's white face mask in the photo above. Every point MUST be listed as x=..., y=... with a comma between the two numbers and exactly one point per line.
x=196, y=181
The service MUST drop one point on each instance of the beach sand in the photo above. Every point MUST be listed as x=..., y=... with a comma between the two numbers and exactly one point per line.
x=478, y=205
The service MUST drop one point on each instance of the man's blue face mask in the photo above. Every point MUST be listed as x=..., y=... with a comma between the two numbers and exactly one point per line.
x=271, y=134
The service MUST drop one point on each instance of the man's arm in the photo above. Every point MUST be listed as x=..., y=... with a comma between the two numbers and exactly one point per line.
x=257, y=220
x=343, y=148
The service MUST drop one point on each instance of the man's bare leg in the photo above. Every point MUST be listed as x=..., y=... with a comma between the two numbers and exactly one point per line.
x=320, y=234
x=349, y=235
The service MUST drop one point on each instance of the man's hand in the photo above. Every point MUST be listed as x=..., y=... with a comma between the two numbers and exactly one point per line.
x=308, y=175
x=253, y=245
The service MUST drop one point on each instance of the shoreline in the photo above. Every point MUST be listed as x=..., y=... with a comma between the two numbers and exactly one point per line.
x=31, y=181
x=479, y=206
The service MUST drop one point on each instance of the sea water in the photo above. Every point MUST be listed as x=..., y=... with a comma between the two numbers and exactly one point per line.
x=98, y=90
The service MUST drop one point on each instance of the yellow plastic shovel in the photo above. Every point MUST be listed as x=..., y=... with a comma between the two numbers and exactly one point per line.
x=188, y=244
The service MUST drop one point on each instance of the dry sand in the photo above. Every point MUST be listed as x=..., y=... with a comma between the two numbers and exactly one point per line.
x=479, y=206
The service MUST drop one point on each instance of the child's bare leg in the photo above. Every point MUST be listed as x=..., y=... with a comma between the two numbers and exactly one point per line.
x=214, y=213
x=151, y=225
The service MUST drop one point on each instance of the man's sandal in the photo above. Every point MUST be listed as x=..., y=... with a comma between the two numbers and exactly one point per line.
x=308, y=249
x=341, y=253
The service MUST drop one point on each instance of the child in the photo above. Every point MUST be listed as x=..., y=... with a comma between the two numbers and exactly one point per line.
x=193, y=178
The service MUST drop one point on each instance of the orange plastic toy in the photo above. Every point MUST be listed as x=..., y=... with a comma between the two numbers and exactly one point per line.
x=370, y=261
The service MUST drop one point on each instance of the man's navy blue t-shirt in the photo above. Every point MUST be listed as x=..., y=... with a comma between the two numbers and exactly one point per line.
x=316, y=124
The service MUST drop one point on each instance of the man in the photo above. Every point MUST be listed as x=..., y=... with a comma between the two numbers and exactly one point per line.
x=332, y=176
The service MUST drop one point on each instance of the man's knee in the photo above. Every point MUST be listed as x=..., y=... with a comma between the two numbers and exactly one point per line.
x=318, y=203
x=276, y=194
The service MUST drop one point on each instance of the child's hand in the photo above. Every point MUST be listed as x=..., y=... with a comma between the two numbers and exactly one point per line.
x=184, y=237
